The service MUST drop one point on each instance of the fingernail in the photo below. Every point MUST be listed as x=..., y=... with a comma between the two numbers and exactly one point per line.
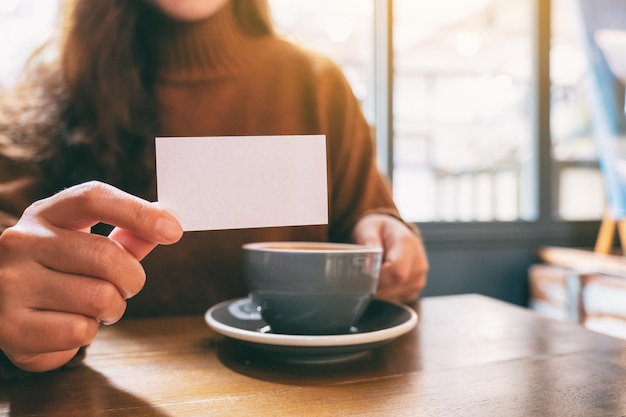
x=168, y=229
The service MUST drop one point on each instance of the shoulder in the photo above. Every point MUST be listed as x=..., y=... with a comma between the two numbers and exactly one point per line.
x=286, y=56
x=314, y=81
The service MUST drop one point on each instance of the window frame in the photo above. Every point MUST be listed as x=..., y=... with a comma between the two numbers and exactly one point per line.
x=547, y=228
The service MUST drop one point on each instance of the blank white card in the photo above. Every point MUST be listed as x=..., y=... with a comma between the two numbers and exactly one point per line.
x=234, y=182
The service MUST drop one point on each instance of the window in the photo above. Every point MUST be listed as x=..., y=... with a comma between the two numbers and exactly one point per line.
x=464, y=136
x=342, y=30
x=24, y=25
x=463, y=130
x=579, y=192
x=462, y=110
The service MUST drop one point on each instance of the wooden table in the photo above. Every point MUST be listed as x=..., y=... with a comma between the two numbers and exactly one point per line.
x=469, y=356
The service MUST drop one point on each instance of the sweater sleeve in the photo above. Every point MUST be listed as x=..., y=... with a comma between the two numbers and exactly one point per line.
x=356, y=186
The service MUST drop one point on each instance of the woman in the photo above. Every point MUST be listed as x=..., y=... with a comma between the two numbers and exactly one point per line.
x=132, y=70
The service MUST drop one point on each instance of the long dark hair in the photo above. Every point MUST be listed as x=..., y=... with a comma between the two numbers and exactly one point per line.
x=92, y=115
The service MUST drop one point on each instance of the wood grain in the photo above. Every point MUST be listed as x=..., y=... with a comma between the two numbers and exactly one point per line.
x=469, y=356
x=584, y=261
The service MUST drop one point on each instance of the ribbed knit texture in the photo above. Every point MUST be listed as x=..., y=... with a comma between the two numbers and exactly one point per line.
x=215, y=80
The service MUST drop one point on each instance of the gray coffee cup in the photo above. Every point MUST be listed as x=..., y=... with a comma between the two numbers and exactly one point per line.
x=311, y=287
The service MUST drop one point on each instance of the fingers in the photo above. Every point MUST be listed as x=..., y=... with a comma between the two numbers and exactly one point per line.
x=29, y=286
x=42, y=362
x=368, y=236
x=53, y=331
x=405, y=279
x=44, y=340
x=47, y=315
x=397, y=263
x=135, y=245
x=98, y=299
x=73, y=253
x=57, y=283
x=403, y=293
x=405, y=265
x=86, y=204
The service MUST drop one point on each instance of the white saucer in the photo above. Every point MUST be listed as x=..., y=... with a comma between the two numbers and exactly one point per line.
x=381, y=323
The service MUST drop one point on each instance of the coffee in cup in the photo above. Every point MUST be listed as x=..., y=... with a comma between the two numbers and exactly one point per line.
x=311, y=287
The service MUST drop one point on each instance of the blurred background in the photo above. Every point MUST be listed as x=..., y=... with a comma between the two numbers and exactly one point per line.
x=480, y=113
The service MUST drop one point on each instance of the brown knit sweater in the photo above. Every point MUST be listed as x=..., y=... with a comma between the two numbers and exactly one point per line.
x=215, y=80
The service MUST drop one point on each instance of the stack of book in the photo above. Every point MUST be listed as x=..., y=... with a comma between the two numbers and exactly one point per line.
x=581, y=286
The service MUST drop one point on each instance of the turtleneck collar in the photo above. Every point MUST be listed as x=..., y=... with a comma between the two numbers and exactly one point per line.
x=215, y=47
